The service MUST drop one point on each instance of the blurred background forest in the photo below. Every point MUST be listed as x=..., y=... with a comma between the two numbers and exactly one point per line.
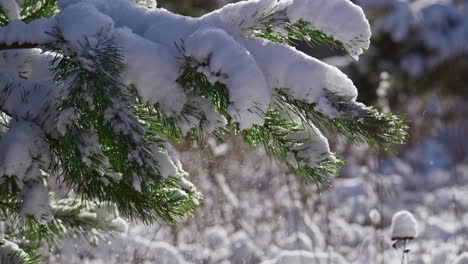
x=254, y=212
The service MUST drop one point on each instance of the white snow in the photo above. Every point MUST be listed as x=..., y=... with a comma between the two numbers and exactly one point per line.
x=462, y=259
x=304, y=77
x=343, y=20
x=248, y=89
x=11, y=9
x=314, y=150
x=66, y=118
x=83, y=20
x=34, y=32
x=2, y=230
x=299, y=257
x=153, y=70
x=218, y=43
x=23, y=152
x=36, y=202
x=7, y=248
x=404, y=225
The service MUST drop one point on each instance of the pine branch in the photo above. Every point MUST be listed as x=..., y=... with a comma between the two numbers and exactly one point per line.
x=107, y=139
x=196, y=83
x=356, y=123
x=12, y=254
x=35, y=9
x=299, y=31
x=275, y=136
x=4, y=20
x=272, y=136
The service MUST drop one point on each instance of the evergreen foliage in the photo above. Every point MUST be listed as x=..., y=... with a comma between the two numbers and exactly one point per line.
x=107, y=149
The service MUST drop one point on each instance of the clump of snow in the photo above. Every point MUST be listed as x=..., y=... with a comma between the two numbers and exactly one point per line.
x=23, y=152
x=248, y=89
x=304, y=77
x=7, y=249
x=36, y=202
x=26, y=100
x=152, y=69
x=343, y=20
x=11, y=9
x=66, y=118
x=82, y=20
x=314, y=149
x=147, y=3
x=166, y=166
x=374, y=216
x=119, y=225
x=20, y=32
x=404, y=226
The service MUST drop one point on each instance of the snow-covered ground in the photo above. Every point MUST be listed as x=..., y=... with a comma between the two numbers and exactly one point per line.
x=255, y=212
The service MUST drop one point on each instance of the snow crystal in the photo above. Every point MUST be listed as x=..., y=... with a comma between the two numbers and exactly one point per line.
x=404, y=226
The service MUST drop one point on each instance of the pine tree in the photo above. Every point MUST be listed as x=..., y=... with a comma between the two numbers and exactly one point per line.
x=94, y=92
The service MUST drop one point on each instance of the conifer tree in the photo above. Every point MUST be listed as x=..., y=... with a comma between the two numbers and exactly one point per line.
x=94, y=92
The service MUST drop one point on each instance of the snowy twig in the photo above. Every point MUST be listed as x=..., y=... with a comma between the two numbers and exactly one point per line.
x=4, y=46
